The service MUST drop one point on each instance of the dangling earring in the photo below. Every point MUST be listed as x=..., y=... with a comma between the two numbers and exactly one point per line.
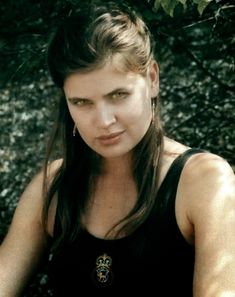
x=153, y=112
x=74, y=130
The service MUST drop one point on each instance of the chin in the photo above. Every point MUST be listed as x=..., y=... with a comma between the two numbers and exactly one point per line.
x=114, y=153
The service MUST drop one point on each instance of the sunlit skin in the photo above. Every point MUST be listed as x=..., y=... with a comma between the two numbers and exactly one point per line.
x=207, y=191
x=111, y=109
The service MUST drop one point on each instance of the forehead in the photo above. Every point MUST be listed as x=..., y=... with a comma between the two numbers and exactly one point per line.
x=100, y=81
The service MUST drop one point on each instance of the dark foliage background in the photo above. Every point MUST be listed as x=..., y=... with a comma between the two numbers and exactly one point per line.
x=196, y=57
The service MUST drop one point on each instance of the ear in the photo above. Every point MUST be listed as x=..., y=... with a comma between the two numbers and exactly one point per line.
x=154, y=78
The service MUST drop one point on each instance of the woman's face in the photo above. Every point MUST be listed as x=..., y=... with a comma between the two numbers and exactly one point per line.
x=111, y=109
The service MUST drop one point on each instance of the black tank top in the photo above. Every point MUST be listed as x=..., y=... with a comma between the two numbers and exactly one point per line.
x=155, y=258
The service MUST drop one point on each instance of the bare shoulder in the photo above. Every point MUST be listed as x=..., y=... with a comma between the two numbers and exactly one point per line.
x=206, y=190
x=208, y=174
x=24, y=244
x=30, y=205
x=206, y=212
x=27, y=219
x=34, y=189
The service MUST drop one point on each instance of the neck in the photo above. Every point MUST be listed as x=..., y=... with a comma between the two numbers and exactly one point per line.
x=117, y=167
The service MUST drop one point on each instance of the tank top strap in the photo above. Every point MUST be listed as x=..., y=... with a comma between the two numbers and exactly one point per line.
x=168, y=189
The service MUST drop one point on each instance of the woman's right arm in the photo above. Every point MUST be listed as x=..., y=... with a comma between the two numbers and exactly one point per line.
x=23, y=247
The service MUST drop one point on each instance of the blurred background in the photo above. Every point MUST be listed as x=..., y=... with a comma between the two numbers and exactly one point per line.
x=195, y=49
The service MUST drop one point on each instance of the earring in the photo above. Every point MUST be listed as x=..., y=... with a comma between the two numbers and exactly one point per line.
x=153, y=112
x=74, y=130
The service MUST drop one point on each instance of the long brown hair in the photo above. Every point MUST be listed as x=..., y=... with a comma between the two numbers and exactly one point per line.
x=85, y=41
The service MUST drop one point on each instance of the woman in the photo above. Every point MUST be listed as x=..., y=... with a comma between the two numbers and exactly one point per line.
x=125, y=208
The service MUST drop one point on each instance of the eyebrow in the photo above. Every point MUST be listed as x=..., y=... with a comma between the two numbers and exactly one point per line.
x=105, y=96
x=116, y=91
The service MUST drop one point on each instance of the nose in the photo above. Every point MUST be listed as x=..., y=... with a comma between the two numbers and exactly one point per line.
x=105, y=115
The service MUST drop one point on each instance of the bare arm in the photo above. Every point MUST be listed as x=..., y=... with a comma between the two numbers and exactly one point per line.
x=23, y=246
x=212, y=213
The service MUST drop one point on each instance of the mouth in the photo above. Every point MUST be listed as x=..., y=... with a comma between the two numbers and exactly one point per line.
x=112, y=138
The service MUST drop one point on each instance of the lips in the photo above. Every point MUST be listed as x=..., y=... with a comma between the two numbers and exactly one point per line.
x=111, y=138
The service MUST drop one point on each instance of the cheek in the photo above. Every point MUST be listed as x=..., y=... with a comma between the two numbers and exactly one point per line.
x=72, y=112
x=85, y=131
x=79, y=119
x=140, y=108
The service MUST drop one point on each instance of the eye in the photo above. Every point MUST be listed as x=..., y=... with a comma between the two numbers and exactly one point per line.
x=120, y=95
x=79, y=101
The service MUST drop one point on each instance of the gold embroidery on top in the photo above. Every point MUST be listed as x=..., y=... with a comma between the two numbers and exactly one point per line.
x=103, y=268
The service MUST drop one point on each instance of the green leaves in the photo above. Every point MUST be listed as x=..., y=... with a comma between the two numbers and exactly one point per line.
x=201, y=5
x=169, y=5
